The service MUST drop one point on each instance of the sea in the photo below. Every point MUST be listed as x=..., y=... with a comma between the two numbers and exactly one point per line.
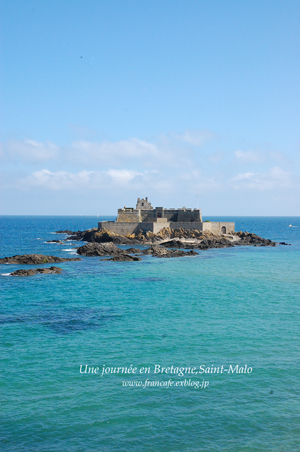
x=183, y=354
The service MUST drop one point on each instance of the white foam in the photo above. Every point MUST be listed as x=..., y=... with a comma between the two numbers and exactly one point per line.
x=68, y=249
x=5, y=274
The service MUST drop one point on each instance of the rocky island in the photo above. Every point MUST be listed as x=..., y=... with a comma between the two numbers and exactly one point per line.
x=168, y=233
x=172, y=228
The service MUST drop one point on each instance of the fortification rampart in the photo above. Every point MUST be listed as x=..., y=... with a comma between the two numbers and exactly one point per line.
x=125, y=228
x=130, y=227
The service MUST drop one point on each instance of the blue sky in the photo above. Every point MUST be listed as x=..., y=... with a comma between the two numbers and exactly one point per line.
x=106, y=101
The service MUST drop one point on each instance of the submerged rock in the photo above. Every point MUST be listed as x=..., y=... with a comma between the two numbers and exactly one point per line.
x=55, y=241
x=67, y=231
x=124, y=258
x=35, y=259
x=36, y=271
x=160, y=251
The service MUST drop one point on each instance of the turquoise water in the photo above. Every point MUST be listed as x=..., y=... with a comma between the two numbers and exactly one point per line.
x=237, y=306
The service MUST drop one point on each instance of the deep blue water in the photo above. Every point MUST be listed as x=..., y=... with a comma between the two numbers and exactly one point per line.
x=236, y=306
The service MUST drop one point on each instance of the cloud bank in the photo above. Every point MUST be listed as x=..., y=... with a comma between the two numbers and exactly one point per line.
x=171, y=169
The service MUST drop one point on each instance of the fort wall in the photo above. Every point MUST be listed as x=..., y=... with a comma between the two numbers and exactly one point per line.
x=218, y=227
x=129, y=227
x=129, y=216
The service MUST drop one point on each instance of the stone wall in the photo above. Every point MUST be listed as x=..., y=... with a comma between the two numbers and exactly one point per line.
x=217, y=227
x=171, y=215
x=130, y=227
x=186, y=225
x=189, y=215
x=148, y=216
x=129, y=216
x=125, y=228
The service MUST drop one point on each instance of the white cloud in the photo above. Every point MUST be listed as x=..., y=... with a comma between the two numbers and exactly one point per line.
x=108, y=152
x=58, y=180
x=195, y=137
x=274, y=178
x=29, y=150
x=249, y=156
x=122, y=176
x=196, y=181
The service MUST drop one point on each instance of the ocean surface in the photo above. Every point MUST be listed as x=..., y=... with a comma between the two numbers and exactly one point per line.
x=238, y=308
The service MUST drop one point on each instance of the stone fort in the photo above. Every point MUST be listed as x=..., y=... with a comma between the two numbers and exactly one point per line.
x=147, y=218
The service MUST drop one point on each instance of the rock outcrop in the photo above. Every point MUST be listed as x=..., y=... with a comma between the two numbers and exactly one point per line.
x=204, y=244
x=248, y=238
x=124, y=258
x=99, y=249
x=173, y=238
x=160, y=251
x=133, y=250
x=31, y=259
x=36, y=271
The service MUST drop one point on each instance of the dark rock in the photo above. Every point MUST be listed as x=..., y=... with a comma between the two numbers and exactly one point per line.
x=284, y=243
x=175, y=243
x=36, y=271
x=67, y=231
x=173, y=253
x=205, y=244
x=35, y=259
x=133, y=250
x=124, y=258
x=99, y=249
x=151, y=249
x=192, y=253
x=249, y=238
x=55, y=241
x=160, y=251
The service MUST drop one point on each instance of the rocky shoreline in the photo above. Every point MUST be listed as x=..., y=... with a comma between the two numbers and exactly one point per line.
x=174, y=238
x=168, y=243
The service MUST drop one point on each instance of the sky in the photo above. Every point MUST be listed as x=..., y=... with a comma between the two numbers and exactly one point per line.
x=104, y=101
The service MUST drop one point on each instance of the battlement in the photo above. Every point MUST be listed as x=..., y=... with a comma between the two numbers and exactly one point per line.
x=145, y=213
